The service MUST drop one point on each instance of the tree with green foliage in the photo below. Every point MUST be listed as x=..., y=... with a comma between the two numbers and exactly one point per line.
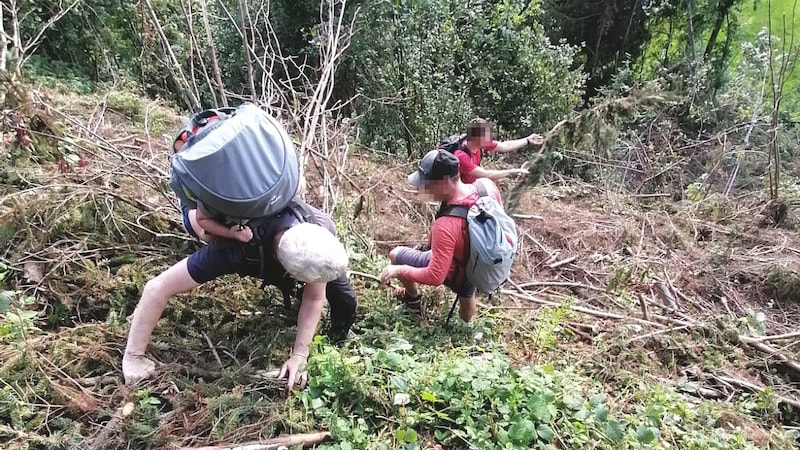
x=424, y=67
x=607, y=33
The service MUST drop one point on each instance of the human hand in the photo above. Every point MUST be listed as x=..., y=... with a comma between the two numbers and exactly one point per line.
x=520, y=171
x=136, y=368
x=242, y=233
x=389, y=273
x=291, y=369
x=535, y=139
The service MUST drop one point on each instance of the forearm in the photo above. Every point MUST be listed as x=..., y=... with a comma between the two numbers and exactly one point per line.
x=512, y=145
x=307, y=321
x=215, y=228
x=429, y=276
x=497, y=175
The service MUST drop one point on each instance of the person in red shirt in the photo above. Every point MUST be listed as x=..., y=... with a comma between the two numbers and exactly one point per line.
x=438, y=177
x=479, y=140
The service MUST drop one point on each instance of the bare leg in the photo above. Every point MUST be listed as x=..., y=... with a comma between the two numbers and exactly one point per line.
x=412, y=288
x=156, y=294
x=467, y=307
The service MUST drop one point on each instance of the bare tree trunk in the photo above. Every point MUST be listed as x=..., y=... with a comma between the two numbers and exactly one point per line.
x=669, y=42
x=187, y=10
x=180, y=77
x=788, y=61
x=244, y=13
x=13, y=51
x=723, y=9
x=5, y=55
x=213, y=53
x=690, y=23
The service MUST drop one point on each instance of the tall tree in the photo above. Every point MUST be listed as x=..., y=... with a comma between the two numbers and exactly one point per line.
x=607, y=31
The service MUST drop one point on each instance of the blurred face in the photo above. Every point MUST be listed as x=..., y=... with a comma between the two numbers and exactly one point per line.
x=438, y=190
x=481, y=140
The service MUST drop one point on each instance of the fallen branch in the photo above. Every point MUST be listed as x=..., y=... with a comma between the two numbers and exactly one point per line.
x=112, y=427
x=559, y=284
x=656, y=333
x=794, y=365
x=591, y=312
x=794, y=403
x=305, y=439
x=643, y=303
x=777, y=337
x=213, y=349
x=363, y=275
x=668, y=299
x=563, y=262
x=527, y=216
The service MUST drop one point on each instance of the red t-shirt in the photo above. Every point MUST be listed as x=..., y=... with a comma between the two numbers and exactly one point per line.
x=468, y=161
x=449, y=244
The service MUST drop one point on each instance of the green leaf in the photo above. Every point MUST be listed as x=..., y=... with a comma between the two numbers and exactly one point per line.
x=411, y=436
x=582, y=415
x=573, y=402
x=539, y=407
x=502, y=437
x=646, y=435
x=441, y=435
x=614, y=431
x=400, y=434
x=429, y=397
x=655, y=412
x=398, y=383
x=522, y=432
x=600, y=413
x=545, y=432
x=597, y=399
x=5, y=301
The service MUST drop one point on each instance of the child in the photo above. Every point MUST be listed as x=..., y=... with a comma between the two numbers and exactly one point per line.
x=207, y=228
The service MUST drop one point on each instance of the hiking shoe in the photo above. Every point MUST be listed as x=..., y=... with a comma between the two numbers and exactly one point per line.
x=414, y=304
x=338, y=336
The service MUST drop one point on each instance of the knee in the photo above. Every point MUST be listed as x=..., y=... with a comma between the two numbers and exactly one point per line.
x=393, y=255
x=155, y=290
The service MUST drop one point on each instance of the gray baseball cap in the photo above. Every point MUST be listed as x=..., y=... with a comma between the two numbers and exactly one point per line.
x=435, y=165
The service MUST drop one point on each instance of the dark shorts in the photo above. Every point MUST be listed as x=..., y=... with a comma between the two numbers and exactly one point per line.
x=223, y=257
x=186, y=222
x=417, y=258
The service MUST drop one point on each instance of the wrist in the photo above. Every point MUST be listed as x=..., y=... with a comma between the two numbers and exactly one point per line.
x=299, y=354
x=529, y=142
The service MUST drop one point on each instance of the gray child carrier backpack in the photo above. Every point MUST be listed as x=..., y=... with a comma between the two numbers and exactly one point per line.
x=237, y=164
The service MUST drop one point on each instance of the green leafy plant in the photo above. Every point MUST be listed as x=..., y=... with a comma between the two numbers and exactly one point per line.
x=16, y=321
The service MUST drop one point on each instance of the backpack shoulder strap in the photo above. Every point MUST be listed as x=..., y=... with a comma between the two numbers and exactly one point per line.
x=481, y=189
x=303, y=212
x=453, y=211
